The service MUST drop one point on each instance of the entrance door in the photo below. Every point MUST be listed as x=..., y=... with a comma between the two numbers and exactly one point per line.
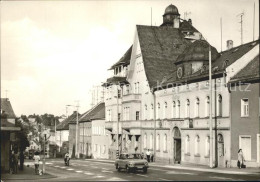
x=245, y=145
x=177, y=150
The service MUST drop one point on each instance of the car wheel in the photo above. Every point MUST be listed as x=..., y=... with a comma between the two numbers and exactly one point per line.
x=118, y=168
x=127, y=169
x=145, y=170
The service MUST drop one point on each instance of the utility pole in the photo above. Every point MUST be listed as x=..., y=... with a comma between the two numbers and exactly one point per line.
x=221, y=32
x=77, y=126
x=44, y=143
x=117, y=108
x=254, y=24
x=210, y=113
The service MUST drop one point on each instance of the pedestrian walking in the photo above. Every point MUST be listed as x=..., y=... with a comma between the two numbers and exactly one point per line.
x=36, y=162
x=21, y=160
x=241, y=159
x=148, y=154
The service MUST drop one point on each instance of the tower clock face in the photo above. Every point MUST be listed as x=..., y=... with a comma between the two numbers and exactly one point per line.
x=179, y=72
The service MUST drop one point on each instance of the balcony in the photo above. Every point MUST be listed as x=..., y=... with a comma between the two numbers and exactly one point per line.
x=109, y=125
x=131, y=98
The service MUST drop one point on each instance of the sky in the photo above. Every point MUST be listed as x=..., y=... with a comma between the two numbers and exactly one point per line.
x=53, y=52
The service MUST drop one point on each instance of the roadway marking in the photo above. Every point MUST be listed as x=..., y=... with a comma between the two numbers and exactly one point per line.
x=79, y=171
x=175, y=172
x=62, y=167
x=70, y=169
x=100, y=176
x=104, y=171
x=87, y=173
x=164, y=179
x=223, y=178
x=142, y=175
x=56, y=166
x=49, y=163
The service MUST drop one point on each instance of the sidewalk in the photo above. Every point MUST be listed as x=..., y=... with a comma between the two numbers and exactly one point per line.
x=27, y=174
x=194, y=167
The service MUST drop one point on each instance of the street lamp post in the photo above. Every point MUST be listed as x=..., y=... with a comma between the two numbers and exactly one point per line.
x=210, y=112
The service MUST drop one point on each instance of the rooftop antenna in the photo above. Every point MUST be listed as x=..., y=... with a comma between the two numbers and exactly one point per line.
x=151, y=16
x=254, y=24
x=6, y=92
x=186, y=14
x=241, y=22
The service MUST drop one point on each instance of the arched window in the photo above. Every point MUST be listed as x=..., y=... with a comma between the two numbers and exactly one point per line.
x=158, y=142
x=145, y=141
x=165, y=143
x=152, y=112
x=178, y=109
x=197, y=142
x=151, y=141
x=187, y=144
x=219, y=105
x=207, y=106
x=158, y=111
x=220, y=145
x=207, y=146
x=173, y=109
x=187, y=111
x=165, y=110
x=197, y=107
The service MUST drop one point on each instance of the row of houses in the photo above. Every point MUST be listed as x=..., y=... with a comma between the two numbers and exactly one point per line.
x=92, y=139
x=159, y=99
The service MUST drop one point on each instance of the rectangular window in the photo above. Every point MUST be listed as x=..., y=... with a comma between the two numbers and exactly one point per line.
x=127, y=89
x=119, y=93
x=137, y=115
x=119, y=116
x=244, y=107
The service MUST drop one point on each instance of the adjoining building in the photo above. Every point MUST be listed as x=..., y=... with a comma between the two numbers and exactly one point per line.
x=245, y=113
x=8, y=130
x=85, y=133
x=62, y=134
x=100, y=139
x=159, y=95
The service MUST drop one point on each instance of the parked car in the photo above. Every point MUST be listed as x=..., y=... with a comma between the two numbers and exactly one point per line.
x=131, y=162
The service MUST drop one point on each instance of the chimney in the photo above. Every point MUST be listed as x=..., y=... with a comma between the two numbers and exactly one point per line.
x=176, y=22
x=189, y=20
x=229, y=44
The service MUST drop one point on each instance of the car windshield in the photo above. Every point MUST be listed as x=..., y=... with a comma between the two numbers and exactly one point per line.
x=133, y=156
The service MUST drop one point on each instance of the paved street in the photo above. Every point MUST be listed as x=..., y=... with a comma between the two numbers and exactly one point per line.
x=86, y=170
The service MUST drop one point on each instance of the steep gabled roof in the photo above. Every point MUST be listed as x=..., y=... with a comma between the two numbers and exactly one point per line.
x=249, y=72
x=160, y=47
x=97, y=112
x=125, y=60
x=7, y=107
x=228, y=57
x=74, y=120
x=198, y=51
x=64, y=125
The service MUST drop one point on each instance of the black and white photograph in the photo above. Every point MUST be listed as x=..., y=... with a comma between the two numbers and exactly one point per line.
x=130, y=90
